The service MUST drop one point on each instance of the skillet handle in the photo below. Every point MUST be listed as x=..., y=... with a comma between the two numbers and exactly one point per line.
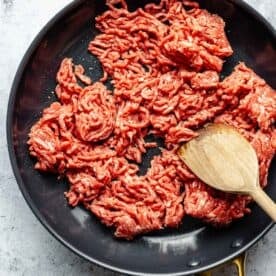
x=239, y=262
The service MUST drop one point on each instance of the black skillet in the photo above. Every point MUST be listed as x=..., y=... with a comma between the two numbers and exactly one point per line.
x=194, y=246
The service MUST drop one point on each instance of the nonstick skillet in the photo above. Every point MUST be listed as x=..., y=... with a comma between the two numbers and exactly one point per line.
x=194, y=246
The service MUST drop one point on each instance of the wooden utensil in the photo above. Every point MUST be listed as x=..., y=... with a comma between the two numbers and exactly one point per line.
x=225, y=160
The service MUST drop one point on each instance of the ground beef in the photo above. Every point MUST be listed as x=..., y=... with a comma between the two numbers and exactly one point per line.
x=164, y=61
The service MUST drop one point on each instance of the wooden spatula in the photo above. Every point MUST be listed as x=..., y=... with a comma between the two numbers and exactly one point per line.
x=225, y=160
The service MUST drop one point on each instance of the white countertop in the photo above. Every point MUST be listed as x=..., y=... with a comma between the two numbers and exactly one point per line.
x=26, y=248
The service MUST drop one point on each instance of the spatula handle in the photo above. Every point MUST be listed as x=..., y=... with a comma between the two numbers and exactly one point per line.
x=265, y=202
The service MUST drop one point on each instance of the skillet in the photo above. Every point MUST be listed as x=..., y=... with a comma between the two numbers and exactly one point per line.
x=194, y=246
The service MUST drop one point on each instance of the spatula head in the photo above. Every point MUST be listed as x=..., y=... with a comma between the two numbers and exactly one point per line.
x=222, y=158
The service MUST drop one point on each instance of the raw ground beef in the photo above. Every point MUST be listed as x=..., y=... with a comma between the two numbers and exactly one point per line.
x=164, y=61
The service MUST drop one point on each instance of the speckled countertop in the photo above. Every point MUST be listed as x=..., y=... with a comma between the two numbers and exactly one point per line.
x=26, y=248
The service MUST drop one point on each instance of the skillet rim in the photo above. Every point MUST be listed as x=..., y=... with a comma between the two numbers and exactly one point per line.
x=9, y=136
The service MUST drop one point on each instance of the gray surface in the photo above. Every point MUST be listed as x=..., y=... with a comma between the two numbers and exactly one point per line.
x=26, y=248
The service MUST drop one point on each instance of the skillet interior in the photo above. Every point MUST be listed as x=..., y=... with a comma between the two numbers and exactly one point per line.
x=192, y=247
